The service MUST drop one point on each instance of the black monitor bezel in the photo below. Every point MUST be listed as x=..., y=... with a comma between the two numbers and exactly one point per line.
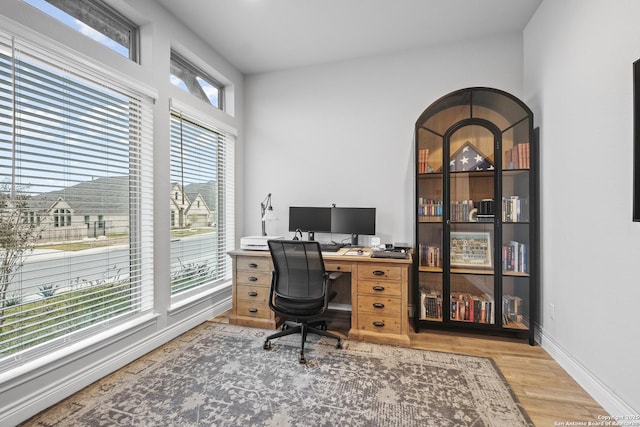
x=318, y=229
x=355, y=227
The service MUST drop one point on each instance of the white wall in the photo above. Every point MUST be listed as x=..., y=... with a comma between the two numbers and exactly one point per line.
x=578, y=81
x=343, y=132
x=32, y=387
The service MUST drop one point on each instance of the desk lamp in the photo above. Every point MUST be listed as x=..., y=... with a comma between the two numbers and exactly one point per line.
x=266, y=212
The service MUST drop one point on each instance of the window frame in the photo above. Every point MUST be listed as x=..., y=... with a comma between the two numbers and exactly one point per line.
x=225, y=227
x=178, y=63
x=104, y=19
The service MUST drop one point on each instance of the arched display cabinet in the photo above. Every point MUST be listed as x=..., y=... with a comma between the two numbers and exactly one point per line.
x=476, y=255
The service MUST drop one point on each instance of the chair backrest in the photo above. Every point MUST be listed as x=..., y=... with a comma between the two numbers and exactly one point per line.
x=298, y=269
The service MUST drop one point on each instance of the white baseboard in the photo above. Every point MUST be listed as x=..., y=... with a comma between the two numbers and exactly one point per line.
x=611, y=402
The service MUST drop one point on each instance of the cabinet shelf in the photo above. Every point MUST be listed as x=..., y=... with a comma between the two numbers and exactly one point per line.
x=476, y=221
x=432, y=319
x=516, y=325
x=471, y=271
x=515, y=273
x=430, y=269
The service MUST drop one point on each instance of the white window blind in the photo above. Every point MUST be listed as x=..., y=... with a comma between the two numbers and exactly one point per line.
x=201, y=198
x=76, y=200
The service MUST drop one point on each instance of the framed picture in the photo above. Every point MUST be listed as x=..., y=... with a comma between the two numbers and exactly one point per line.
x=470, y=249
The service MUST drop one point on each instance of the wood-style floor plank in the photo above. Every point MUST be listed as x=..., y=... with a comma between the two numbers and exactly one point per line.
x=547, y=392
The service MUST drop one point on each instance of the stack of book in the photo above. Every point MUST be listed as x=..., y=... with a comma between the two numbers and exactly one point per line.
x=460, y=210
x=423, y=161
x=472, y=308
x=517, y=157
x=430, y=304
x=511, y=209
x=512, y=310
x=430, y=255
x=514, y=257
x=429, y=210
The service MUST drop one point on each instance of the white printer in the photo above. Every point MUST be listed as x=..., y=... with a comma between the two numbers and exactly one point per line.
x=257, y=243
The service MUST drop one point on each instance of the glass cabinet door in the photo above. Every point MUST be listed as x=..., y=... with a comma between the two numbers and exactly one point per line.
x=516, y=227
x=471, y=221
x=430, y=213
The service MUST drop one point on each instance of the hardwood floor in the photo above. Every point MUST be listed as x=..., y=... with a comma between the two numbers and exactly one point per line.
x=546, y=391
x=549, y=395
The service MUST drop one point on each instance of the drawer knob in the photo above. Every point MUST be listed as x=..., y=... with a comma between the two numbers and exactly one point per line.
x=378, y=305
x=378, y=324
x=378, y=288
x=378, y=273
x=253, y=310
x=253, y=265
x=252, y=293
x=253, y=279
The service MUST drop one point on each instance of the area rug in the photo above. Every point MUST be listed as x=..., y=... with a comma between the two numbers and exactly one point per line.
x=219, y=375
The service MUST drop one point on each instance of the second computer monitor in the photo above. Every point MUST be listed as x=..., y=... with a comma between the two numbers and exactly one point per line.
x=353, y=221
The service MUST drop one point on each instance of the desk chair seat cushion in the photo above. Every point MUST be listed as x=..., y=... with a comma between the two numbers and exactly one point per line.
x=301, y=307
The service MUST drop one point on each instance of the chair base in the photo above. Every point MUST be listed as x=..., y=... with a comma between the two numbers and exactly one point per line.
x=290, y=328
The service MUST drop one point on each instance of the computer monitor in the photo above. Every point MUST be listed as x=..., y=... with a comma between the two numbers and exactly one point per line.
x=353, y=221
x=310, y=219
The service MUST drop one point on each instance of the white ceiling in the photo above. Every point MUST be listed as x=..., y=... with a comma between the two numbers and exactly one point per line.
x=265, y=35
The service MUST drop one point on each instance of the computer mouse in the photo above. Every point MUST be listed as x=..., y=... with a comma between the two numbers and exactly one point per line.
x=360, y=251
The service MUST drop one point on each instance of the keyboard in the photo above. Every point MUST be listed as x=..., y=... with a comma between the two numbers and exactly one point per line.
x=330, y=247
x=389, y=254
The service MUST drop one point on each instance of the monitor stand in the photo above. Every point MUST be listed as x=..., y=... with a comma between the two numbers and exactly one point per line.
x=354, y=241
x=311, y=235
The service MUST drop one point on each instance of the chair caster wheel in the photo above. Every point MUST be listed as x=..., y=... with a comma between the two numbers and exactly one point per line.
x=267, y=345
x=323, y=327
x=285, y=326
x=302, y=359
x=339, y=344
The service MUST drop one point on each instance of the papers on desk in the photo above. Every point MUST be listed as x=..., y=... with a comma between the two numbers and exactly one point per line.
x=358, y=252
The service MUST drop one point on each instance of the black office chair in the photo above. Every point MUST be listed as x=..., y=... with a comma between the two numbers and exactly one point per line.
x=299, y=290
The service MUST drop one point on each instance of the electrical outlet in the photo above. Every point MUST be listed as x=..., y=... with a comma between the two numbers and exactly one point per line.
x=552, y=311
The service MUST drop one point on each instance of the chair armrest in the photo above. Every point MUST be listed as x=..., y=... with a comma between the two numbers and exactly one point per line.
x=335, y=275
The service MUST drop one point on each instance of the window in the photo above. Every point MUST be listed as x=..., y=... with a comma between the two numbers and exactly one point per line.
x=72, y=147
x=61, y=218
x=202, y=215
x=96, y=20
x=191, y=79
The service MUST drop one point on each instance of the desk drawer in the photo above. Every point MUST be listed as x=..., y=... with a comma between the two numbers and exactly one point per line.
x=336, y=266
x=256, y=294
x=381, y=288
x=379, y=272
x=253, y=309
x=379, y=323
x=381, y=305
x=254, y=278
x=254, y=263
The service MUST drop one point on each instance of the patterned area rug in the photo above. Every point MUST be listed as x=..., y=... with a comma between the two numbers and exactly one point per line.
x=219, y=375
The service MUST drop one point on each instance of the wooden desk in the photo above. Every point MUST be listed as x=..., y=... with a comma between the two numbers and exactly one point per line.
x=379, y=293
